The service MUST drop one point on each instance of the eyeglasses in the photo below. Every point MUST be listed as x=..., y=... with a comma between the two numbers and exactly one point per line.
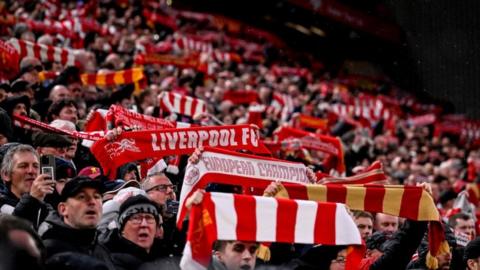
x=138, y=218
x=163, y=188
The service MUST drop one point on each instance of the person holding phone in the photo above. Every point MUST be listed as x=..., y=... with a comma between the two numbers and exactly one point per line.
x=25, y=185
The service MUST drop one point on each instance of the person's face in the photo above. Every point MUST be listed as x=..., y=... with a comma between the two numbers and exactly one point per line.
x=72, y=149
x=25, y=241
x=3, y=139
x=444, y=261
x=69, y=113
x=386, y=223
x=465, y=226
x=126, y=102
x=365, y=226
x=60, y=184
x=140, y=229
x=26, y=168
x=160, y=190
x=238, y=255
x=130, y=176
x=3, y=94
x=339, y=262
x=59, y=92
x=473, y=264
x=83, y=211
x=20, y=109
x=75, y=90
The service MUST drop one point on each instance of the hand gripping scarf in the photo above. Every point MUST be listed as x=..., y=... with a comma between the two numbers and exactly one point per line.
x=223, y=216
x=232, y=168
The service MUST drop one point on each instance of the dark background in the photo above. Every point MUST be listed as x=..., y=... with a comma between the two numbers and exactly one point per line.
x=438, y=54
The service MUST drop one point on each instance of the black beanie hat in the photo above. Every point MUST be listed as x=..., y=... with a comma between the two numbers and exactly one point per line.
x=134, y=205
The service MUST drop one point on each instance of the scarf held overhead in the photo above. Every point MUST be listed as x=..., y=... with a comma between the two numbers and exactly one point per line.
x=31, y=124
x=403, y=201
x=43, y=52
x=138, y=145
x=180, y=104
x=223, y=216
x=215, y=163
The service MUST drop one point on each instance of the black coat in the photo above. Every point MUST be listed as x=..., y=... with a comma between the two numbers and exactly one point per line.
x=8, y=201
x=126, y=255
x=58, y=238
x=399, y=250
x=33, y=210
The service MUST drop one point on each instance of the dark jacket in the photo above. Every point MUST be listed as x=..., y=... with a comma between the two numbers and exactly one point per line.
x=8, y=201
x=33, y=210
x=58, y=237
x=399, y=250
x=126, y=255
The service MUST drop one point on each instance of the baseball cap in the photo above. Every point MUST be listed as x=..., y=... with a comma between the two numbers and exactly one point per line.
x=90, y=171
x=76, y=184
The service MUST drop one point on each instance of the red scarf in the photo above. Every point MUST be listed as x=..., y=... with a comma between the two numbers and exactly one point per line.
x=31, y=124
x=311, y=141
x=241, y=96
x=119, y=116
x=371, y=175
x=139, y=145
x=8, y=61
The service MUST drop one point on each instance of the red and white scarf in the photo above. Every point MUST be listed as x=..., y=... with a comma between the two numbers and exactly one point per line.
x=215, y=163
x=43, y=52
x=311, y=141
x=180, y=104
x=139, y=145
x=223, y=216
x=31, y=124
x=374, y=174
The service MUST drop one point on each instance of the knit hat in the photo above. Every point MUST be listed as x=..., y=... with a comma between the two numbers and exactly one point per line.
x=134, y=205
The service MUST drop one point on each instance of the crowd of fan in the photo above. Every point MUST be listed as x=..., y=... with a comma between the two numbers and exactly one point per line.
x=82, y=220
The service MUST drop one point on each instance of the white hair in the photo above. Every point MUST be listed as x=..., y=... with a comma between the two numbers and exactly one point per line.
x=63, y=124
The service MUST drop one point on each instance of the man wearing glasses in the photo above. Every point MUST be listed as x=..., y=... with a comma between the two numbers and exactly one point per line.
x=135, y=242
x=159, y=189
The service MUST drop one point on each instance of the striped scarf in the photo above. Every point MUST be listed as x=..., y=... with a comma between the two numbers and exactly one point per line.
x=374, y=174
x=223, y=216
x=117, y=78
x=403, y=201
x=43, y=52
x=180, y=104
x=114, y=78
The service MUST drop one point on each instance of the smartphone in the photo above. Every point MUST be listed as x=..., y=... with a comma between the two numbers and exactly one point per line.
x=47, y=166
x=172, y=207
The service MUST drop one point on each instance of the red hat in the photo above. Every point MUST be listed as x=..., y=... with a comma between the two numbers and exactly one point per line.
x=90, y=171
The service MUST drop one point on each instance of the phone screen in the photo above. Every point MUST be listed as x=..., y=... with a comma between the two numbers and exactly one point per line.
x=48, y=165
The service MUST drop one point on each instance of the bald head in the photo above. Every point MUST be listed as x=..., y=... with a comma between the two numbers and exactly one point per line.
x=59, y=92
